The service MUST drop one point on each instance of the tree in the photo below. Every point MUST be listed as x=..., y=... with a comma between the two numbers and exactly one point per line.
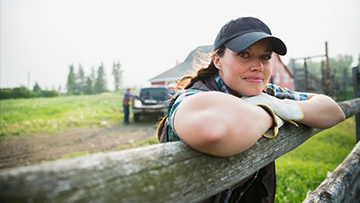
x=92, y=74
x=80, y=81
x=117, y=73
x=71, y=85
x=37, y=88
x=341, y=63
x=337, y=65
x=100, y=83
x=89, y=88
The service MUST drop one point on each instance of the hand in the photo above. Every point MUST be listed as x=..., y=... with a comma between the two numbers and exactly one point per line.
x=285, y=109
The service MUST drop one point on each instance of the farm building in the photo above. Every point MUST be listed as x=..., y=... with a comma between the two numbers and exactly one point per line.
x=281, y=75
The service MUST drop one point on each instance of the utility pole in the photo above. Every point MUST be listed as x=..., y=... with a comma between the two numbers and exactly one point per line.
x=28, y=79
x=328, y=72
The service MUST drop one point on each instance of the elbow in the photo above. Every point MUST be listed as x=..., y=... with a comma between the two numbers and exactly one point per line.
x=204, y=134
x=211, y=132
x=329, y=121
x=337, y=117
x=340, y=116
x=219, y=140
x=209, y=140
x=322, y=112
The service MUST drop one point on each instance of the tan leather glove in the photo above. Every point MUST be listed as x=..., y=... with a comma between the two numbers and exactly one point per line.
x=282, y=109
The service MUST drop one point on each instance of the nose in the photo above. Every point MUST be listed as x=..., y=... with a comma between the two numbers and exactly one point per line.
x=257, y=65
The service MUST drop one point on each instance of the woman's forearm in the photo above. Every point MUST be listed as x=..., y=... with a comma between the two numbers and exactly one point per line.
x=321, y=112
x=220, y=124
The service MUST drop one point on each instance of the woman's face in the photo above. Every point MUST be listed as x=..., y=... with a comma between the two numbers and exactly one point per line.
x=246, y=73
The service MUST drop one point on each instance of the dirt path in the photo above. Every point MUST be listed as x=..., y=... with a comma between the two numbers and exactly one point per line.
x=33, y=149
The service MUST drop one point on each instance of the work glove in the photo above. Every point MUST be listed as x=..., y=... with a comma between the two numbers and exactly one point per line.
x=280, y=109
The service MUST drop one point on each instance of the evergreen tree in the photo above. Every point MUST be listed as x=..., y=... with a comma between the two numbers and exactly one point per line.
x=100, y=83
x=92, y=74
x=117, y=73
x=37, y=88
x=71, y=85
x=80, y=80
x=89, y=88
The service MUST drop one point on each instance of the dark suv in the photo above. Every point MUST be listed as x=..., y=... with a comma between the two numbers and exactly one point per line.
x=152, y=100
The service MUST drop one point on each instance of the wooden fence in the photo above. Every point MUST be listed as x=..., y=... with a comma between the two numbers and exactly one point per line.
x=170, y=172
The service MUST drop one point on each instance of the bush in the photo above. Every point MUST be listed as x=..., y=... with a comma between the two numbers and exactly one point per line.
x=5, y=93
x=23, y=92
x=20, y=92
x=50, y=93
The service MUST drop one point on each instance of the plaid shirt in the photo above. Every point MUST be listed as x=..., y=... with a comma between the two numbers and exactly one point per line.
x=274, y=90
x=127, y=95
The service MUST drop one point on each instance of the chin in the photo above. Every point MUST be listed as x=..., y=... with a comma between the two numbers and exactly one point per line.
x=252, y=93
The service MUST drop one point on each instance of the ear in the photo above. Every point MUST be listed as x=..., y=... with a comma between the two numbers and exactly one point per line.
x=217, y=61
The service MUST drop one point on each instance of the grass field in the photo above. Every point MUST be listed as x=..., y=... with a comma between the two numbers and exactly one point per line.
x=299, y=171
x=304, y=168
x=49, y=115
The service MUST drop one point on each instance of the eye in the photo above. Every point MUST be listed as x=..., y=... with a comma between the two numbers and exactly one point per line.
x=243, y=54
x=265, y=57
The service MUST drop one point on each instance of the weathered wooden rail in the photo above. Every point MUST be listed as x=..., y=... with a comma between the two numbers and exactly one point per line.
x=171, y=172
x=343, y=184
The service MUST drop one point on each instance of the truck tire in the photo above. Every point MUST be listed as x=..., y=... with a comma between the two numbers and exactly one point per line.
x=136, y=117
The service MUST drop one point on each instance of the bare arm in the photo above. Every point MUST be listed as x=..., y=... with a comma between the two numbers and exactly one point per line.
x=220, y=124
x=321, y=111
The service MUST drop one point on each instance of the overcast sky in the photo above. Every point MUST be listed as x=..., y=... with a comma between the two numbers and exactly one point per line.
x=41, y=38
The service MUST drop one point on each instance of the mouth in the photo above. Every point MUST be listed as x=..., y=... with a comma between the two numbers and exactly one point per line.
x=255, y=79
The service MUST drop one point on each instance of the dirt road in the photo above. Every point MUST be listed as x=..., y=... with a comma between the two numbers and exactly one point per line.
x=33, y=149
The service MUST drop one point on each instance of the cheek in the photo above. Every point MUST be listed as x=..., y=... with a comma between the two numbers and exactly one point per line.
x=268, y=70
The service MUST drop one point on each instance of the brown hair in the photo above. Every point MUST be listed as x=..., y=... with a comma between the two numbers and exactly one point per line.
x=205, y=71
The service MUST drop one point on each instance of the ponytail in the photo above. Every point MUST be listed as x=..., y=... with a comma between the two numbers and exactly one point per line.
x=206, y=71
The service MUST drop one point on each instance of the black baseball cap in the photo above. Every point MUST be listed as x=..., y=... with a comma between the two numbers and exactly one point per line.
x=241, y=33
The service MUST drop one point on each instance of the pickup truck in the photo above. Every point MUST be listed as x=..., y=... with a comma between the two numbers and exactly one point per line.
x=152, y=100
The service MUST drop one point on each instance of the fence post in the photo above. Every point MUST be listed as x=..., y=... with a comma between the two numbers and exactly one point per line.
x=356, y=78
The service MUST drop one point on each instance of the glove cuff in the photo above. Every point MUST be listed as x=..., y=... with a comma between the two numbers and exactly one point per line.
x=278, y=122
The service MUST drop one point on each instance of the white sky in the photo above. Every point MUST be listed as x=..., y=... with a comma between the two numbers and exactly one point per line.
x=147, y=37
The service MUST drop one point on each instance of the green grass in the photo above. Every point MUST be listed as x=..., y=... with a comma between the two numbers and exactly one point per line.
x=306, y=167
x=50, y=115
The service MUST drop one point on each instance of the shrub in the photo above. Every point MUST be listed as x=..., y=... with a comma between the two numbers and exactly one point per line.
x=5, y=93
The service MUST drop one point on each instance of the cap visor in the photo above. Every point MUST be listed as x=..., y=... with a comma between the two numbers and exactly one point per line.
x=245, y=41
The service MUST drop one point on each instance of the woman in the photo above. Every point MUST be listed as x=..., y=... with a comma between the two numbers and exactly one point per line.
x=226, y=107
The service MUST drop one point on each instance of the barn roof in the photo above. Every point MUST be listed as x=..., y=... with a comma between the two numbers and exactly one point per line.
x=181, y=69
x=186, y=67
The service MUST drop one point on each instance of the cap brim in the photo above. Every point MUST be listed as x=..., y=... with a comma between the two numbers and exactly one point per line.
x=244, y=41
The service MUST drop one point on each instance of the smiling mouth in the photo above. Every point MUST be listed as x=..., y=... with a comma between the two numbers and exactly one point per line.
x=254, y=79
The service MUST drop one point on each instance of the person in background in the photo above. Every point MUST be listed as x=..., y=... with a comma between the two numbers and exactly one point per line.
x=228, y=105
x=171, y=88
x=126, y=104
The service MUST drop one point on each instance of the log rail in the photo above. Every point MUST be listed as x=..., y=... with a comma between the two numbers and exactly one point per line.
x=170, y=172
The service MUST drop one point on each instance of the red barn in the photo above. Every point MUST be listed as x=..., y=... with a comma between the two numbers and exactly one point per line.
x=280, y=75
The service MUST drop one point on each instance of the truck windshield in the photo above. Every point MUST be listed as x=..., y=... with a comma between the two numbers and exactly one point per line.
x=159, y=94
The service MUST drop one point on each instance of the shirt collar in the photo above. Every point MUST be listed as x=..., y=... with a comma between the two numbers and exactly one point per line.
x=220, y=83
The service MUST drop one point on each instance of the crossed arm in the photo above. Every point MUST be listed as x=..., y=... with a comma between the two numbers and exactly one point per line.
x=321, y=111
x=223, y=125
